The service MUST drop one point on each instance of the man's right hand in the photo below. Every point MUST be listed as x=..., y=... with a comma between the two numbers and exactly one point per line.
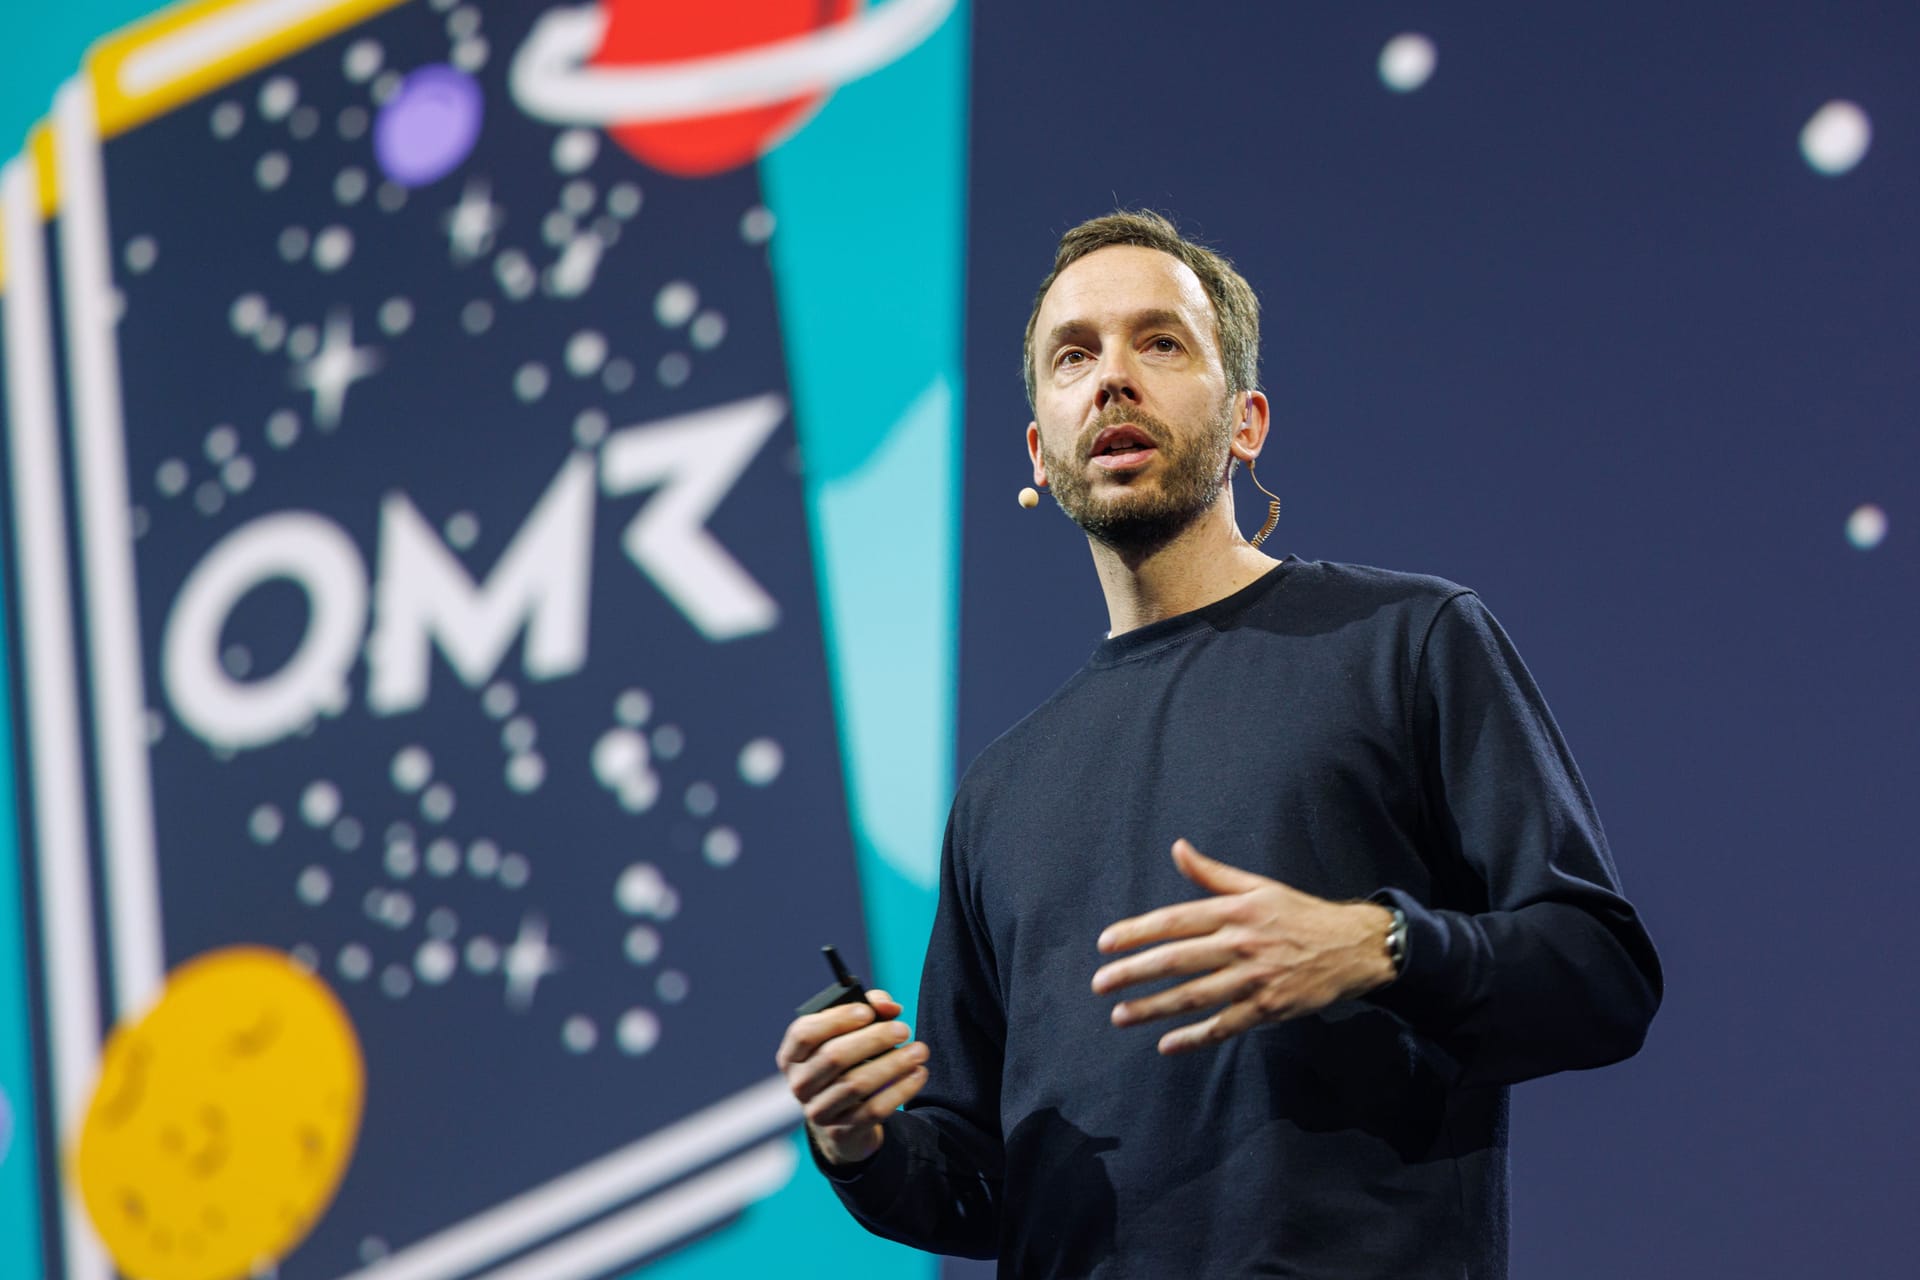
x=850, y=1070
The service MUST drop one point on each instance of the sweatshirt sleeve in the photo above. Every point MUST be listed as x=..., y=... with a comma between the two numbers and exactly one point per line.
x=1550, y=968
x=935, y=1182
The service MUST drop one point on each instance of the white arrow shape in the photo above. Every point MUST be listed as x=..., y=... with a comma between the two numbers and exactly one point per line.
x=694, y=460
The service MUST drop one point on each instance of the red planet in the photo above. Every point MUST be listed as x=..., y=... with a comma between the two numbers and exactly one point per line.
x=659, y=33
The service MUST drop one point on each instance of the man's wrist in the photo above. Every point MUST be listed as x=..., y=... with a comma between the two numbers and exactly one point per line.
x=1396, y=943
x=843, y=1156
x=1383, y=946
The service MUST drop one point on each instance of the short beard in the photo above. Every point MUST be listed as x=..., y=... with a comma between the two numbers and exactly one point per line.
x=1134, y=522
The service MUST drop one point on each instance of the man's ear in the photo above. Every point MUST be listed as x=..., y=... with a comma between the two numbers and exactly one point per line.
x=1033, y=452
x=1250, y=429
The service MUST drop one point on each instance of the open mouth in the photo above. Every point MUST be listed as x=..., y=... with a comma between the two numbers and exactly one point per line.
x=1122, y=446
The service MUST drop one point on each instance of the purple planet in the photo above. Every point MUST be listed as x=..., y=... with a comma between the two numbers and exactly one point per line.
x=426, y=129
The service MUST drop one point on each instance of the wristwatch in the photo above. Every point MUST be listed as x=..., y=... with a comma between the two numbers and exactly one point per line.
x=1397, y=941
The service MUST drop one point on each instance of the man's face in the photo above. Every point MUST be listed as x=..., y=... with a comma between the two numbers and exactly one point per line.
x=1132, y=415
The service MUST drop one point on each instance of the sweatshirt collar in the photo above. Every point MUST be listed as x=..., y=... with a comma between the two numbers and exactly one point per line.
x=1155, y=636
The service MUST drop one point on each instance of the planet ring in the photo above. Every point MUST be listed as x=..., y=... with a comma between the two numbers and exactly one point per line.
x=551, y=82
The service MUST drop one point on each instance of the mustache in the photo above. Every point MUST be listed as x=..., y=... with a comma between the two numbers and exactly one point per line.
x=1118, y=415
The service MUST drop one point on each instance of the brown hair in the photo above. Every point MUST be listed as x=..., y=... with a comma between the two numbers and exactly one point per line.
x=1236, y=308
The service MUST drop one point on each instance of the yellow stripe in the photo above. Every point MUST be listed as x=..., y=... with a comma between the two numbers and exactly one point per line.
x=40, y=147
x=121, y=109
x=39, y=153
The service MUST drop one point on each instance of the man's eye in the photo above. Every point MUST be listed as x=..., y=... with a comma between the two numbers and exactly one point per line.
x=1070, y=357
x=1165, y=344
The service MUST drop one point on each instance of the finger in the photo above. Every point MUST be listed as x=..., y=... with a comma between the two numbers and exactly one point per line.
x=804, y=1035
x=884, y=1103
x=842, y=1101
x=840, y=1055
x=1209, y=992
x=1210, y=873
x=1224, y=1025
x=1182, y=920
x=897, y=1096
x=808, y=1078
x=878, y=998
x=1168, y=960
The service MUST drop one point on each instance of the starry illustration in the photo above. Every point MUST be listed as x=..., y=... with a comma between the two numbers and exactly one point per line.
x=590, y=870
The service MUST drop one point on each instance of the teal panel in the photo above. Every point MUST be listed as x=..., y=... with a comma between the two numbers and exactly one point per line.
x=869, y=261
x=887, y=530
x=869, y=257
x=19, y=1172
x=41, y=46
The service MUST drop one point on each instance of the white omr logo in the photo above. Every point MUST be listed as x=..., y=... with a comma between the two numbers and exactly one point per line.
x=423, y=595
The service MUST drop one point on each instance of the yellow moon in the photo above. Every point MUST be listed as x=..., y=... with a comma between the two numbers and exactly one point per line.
x=223, y=1120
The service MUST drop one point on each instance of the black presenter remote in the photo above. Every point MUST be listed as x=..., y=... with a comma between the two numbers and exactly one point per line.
x=846, y=988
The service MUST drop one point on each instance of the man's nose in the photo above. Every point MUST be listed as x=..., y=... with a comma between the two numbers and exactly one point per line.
x=1117, y=381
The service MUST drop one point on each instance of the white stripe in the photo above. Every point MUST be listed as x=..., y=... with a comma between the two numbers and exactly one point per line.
x=183, y=52
x=593, y=1188
x=672, y=1215
x=106, y=537
x=52, y=696
x=550, y=78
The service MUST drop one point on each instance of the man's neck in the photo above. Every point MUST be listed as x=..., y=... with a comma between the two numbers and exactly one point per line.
x=1205, y=562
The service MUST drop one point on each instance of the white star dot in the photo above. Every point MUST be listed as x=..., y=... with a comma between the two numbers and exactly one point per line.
x=1407, y=62
x=271, y=171
x=362, y=61
x=334, y=368
x=575, y=149
x=528, y=959
x=1867, y=527
x=579, y=1034
x=277, y=97
x=332, y=248
x=586, y=352
x=675, y=304
x=756, y=225
x=141, y=254
x=761, y=761
x=320, y=803
x=470, y=224
x=1836, y=138
x=638, y=1031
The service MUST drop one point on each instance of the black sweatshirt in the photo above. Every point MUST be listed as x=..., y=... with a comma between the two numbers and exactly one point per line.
x=1351, y=732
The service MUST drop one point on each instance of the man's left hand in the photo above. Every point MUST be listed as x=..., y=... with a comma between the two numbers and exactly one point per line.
x=1264, y=950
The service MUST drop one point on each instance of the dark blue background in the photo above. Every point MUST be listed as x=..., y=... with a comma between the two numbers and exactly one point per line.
x=1576, y=325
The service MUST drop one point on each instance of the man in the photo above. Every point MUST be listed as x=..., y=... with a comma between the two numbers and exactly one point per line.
x=1405, y=899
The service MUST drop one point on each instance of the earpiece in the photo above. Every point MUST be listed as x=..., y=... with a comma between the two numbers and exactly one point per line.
x=1273, y=505
x=1029, y=498
x=1273, y=509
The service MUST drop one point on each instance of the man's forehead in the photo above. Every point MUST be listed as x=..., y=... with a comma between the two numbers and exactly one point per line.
x=1122, y=279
